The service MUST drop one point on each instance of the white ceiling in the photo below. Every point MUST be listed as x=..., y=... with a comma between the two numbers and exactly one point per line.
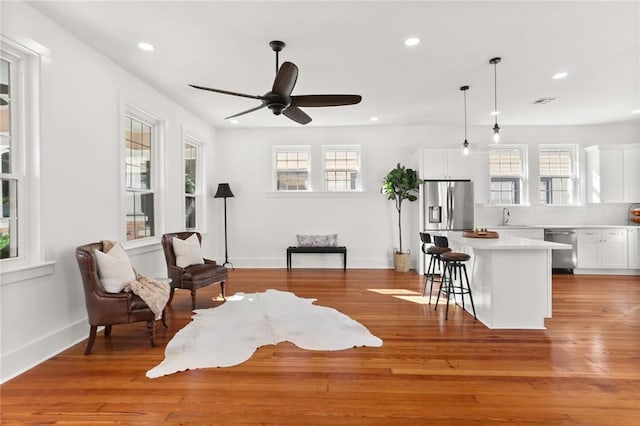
x=357, y=47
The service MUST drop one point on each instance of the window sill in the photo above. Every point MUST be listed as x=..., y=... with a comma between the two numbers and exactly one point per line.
x=315, y=194
x=138, y=247
x=10, y=275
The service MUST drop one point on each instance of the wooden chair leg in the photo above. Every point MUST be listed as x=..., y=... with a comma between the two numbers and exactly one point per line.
x=193, y=299
x=222, y=289
x=173, y=289
x=164, y=318
x=92, y=338
x=151, y=327
x=107, y=330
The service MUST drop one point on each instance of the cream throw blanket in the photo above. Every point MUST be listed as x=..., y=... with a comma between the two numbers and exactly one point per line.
x=154, y=293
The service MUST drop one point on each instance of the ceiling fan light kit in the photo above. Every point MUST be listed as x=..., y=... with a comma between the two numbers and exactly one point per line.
x=280, y=101
x=496, y=129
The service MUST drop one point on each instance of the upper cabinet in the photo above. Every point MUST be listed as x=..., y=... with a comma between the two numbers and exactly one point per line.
x=445, y=163
x=613, y=173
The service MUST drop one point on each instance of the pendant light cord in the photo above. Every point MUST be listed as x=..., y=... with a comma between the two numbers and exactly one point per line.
x=465, y=114
x=495, y=91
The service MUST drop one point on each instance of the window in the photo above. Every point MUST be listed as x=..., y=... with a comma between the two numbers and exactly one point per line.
x=193, y=186
x=506, y=168
x=342, y=169
x=141, y=141
x=557, y=174
x=292, y=168
x=19, y=161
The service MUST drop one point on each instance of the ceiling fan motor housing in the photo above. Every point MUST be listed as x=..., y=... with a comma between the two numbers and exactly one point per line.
x=276, y=102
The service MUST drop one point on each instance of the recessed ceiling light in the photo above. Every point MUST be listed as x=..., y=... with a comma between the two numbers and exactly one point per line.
x=560, y=75
x=146, y=47
x=234, y=121
x=636, y=111
x=495, y=113
x=373, y=118
x=411, y=41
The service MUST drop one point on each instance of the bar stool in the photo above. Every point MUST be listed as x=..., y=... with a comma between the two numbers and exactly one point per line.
x=454, y=264
x=434, y=252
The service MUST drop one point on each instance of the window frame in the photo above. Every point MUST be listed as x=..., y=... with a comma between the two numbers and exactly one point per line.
x=274, y=167
x=522, y=178
x=189, y=138
x=342, y=148
x=25, y=160
x=573, y=176
x=158, y=126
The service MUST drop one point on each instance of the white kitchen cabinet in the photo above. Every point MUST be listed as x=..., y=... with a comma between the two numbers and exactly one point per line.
x=445, y=163
x=613, y=173
x=634, y=248
x=602, y=248
x=631, y=165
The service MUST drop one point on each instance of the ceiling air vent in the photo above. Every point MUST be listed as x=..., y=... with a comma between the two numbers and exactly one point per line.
x=543, y=101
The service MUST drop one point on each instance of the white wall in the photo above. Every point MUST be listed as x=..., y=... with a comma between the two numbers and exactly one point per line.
x=80, y=184
x=262, y=224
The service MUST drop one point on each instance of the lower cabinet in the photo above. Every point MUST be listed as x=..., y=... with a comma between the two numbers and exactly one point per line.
x=634, y=248
x=602, y=249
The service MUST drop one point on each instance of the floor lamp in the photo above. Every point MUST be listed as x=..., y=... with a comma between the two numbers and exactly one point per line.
x=224, y=192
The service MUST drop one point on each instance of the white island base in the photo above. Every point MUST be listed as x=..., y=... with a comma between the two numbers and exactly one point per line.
x=510, y=279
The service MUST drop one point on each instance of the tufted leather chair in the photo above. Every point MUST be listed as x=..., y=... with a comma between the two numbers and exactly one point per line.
x=192, y=277
x=106, y=309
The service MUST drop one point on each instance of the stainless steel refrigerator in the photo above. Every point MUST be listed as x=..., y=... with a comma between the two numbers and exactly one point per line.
x=448, y=205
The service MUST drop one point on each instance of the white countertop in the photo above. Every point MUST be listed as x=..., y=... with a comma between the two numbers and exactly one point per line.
x=505, y=242
x=561, y=226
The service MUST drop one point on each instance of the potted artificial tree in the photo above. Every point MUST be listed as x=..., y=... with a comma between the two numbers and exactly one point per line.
x=401, y=184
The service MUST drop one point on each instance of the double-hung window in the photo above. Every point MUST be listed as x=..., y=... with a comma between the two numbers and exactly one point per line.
x=192, y=183
x=342, y=168
x=10, y=143
x=19, y=156
x=141, y=170
x=557, y=168
x=292, y=168
x=507, y=171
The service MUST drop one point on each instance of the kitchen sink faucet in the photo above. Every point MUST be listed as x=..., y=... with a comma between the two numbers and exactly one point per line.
x=505, y=216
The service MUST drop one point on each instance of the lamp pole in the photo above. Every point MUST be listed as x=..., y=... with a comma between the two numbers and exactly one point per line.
x=224, y=191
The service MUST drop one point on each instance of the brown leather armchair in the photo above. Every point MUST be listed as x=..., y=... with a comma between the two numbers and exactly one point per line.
x=192, y=277
x=106, y=308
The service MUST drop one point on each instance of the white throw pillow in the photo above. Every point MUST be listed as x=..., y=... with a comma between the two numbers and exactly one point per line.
x=187, y=251
x=114, y=269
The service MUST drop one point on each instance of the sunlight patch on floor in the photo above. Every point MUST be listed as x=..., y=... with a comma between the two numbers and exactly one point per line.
x=393, y=291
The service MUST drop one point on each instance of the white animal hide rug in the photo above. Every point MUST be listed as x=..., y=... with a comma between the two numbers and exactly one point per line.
x=230, y=333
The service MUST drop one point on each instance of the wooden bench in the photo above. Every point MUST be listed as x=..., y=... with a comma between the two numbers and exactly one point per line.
x=339, y=250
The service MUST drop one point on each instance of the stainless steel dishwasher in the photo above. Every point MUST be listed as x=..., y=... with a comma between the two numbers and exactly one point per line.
x=563, y=259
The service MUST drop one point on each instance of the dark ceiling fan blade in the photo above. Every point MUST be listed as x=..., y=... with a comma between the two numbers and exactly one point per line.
x=325, y=100
x=245, y=112
x=226, y=92
x=297, y=115
x=285, y=79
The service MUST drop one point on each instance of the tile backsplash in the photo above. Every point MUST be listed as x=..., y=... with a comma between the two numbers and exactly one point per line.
x=590, y=214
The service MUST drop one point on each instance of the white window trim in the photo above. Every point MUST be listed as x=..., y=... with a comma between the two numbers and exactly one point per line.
x=274, y=169
x=26, y=126
x=128, y=108
x=524, y=169
x=575, y=178
x=331, y=148
x=201, y=189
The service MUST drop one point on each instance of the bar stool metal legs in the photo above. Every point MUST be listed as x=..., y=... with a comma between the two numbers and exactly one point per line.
x=455, y=268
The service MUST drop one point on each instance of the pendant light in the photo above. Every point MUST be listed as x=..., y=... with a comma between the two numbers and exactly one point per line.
x=465, y=144
x=496, y=128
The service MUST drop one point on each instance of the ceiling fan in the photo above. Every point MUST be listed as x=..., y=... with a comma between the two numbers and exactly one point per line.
x=280, y=101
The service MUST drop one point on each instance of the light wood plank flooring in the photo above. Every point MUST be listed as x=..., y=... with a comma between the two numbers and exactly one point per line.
x=584, y=369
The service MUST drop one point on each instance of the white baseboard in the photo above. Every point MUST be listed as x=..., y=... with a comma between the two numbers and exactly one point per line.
x=28, y=356
x=606, y=271
x=308, y=260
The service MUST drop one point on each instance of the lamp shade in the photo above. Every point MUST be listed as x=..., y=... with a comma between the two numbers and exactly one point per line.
x=223, y=191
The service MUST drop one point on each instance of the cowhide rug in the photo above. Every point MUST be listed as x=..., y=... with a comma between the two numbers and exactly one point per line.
x=230, y=333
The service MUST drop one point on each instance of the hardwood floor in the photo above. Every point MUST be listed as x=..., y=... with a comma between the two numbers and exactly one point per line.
x=583, y=369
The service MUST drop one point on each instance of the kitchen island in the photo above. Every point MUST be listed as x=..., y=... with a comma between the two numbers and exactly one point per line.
x=510, y=278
